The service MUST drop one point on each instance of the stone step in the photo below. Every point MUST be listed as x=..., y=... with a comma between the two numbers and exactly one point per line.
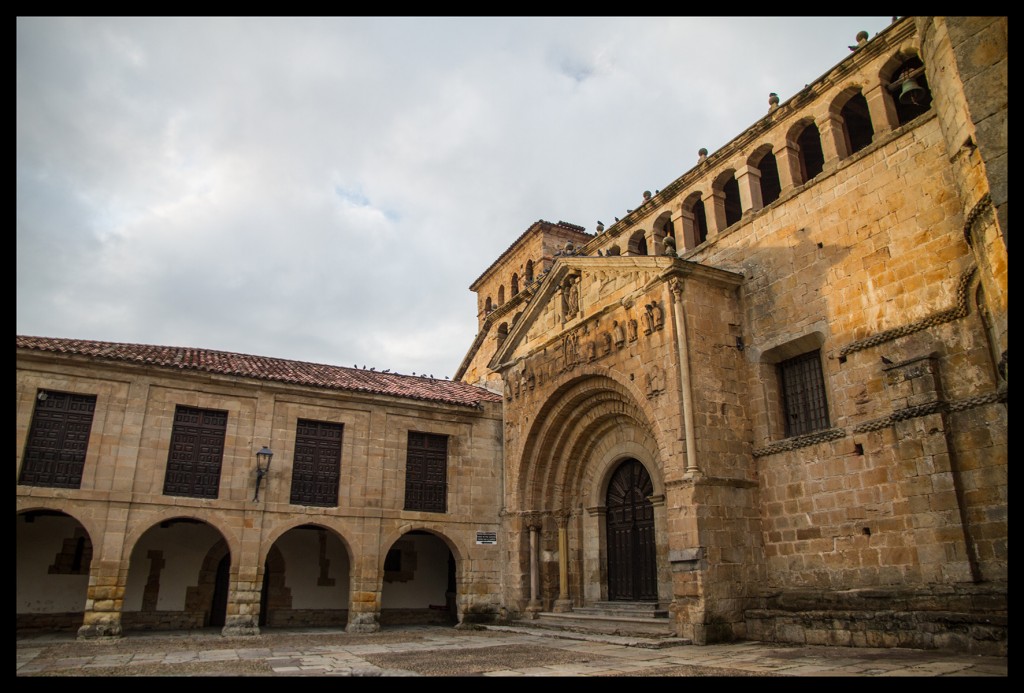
x=621, y=624
x=633, y=609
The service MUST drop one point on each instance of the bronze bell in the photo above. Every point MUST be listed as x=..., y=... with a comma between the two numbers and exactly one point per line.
x=912, y=93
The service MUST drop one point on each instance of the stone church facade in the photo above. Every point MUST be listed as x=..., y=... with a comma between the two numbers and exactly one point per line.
x=770, y=399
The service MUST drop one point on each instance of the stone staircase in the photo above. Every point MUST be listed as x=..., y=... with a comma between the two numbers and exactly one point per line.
x=644, y=624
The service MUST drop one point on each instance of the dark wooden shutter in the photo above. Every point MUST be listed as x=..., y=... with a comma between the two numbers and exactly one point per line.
x=426, y=472
x=58, y=440
x=317, y=463
x=196, y=454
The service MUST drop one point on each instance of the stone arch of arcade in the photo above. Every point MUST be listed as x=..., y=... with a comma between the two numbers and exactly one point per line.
x=55, y=554
x=422, y=576
x=176, y=569
x=592, y=422
x=307, y=573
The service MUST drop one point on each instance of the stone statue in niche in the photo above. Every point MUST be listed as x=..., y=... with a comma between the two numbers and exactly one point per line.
x=591, y=350
x=658, y=315
x=570, y=350
x=607, y=342
x=631, y=326
x=620, y=335
x=648, y=316
x=655, y=381
x=570, y=297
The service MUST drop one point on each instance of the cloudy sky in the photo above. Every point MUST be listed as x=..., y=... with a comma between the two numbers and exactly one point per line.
x=327, y=189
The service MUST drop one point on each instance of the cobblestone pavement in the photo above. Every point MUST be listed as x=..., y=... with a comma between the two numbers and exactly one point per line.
x=446, y=651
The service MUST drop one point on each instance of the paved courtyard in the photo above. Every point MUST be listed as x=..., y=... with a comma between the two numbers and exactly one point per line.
x=446, y=651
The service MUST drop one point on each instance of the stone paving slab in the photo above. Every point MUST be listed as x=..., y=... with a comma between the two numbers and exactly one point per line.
x=440, y=651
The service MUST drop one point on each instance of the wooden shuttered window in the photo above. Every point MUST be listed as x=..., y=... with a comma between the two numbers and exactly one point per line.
x=58, y=440
x=317, y=463
x=426, y=472
x=197, y=452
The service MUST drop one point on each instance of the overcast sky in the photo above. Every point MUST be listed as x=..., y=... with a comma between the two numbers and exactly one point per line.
x=326, y=190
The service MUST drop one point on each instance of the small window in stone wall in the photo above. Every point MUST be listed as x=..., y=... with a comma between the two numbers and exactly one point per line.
x=804, y=405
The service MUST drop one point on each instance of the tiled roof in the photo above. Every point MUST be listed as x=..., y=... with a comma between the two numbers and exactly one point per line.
x=269, y=369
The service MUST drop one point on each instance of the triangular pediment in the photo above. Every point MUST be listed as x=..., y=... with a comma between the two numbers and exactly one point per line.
x=576, y=290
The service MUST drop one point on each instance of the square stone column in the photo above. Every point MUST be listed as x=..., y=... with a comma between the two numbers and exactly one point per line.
x=749, y=179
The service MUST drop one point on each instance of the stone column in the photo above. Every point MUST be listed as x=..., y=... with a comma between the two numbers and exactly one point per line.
x=563, y=603
x=243, y=617
x=882, y=110
x=534, y=606
x=714, y=210
x=676, y=287
x=788, y=159
x=246, y=588
x=108, y=578
x=749, y=179
x=686, y=236
x=833, y=140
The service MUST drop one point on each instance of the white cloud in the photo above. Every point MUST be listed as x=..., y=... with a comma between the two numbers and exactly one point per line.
x=327, y=189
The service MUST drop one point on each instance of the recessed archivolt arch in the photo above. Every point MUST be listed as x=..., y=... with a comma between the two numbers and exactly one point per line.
x=606, y=460
x=603, y=412
x=583, y=410
x=597, y=448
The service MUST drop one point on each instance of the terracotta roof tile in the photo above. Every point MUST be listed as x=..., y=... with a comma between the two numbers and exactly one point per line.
x=269, y=369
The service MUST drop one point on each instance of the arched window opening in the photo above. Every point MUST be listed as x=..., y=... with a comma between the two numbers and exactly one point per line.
x=502, y=332
x=857, y=123
x=771, y=188
x=700, y=221
x=812, y=158
x=529, y=271
x=613, y=251
x=515, y=284
x=733, y=209
x=501, y=295
x=487, y=305
x=638, y=243
x=910, y=91
x=661, y=229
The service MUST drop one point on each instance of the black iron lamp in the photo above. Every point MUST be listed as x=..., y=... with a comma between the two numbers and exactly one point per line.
x=263, y=458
